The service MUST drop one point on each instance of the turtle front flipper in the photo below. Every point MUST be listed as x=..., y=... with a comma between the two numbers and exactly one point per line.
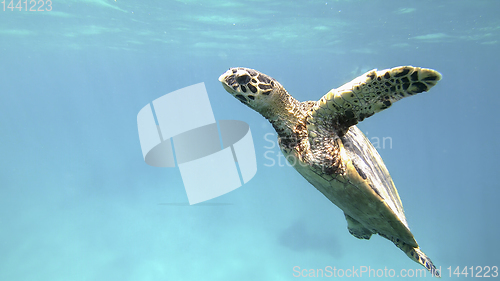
x=370, y=93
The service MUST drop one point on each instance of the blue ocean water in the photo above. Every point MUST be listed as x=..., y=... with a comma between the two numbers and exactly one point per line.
x=77, y=201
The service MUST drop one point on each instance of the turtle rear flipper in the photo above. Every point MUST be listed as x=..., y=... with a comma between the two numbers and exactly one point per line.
x=370, y=93
x=418, y=256
x=357, y=229
x=414, y=253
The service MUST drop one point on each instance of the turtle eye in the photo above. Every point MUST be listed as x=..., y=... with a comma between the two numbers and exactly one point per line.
x=243, y=79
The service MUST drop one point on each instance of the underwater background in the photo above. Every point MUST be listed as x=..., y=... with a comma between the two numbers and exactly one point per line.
x=78, y=202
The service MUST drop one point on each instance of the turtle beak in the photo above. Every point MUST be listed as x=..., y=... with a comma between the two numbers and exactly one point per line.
x=228, y=81
x=224, y=75
x=222, y=79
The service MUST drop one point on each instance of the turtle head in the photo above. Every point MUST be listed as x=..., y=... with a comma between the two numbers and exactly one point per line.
x=255, y=89
x=266, y=96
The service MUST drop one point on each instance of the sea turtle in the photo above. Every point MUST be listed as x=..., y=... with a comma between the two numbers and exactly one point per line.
x=320, y=139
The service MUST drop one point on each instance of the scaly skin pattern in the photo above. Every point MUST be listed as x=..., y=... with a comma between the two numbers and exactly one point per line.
x=320, y=139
